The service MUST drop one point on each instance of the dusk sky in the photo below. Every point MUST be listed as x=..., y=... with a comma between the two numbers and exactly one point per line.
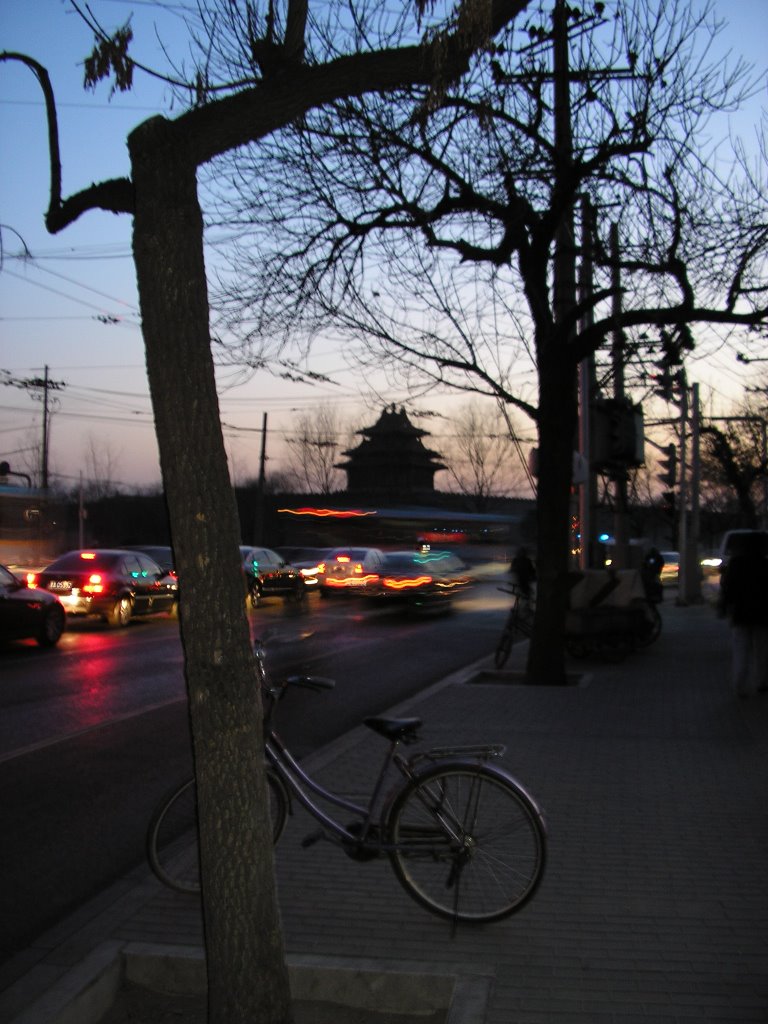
x=72, y=304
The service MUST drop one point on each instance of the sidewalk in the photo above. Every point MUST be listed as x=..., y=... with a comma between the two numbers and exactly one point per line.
x=654, y=907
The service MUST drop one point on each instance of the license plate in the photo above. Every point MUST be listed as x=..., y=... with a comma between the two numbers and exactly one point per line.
x=60, y=585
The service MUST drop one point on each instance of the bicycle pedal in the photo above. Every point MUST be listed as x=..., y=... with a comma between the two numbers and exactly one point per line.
x=312, y=838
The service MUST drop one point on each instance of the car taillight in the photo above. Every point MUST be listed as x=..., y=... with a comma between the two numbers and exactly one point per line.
x=94, y=585
x=397, y=584
x=343, y=559
x=31, y=580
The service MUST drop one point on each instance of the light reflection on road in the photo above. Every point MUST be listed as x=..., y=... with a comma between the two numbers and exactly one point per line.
x=93, y=677
x=98, y=675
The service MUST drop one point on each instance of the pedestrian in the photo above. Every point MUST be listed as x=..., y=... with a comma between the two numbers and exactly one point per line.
x=744, y=599
x=650, y=573
x=524, y=571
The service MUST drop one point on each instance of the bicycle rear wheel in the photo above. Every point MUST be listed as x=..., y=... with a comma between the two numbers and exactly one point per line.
x=469, y=843
x=172, y=834
x=507, y=638
x=501, y=654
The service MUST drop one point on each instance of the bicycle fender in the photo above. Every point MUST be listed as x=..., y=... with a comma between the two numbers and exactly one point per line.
x=492, y=770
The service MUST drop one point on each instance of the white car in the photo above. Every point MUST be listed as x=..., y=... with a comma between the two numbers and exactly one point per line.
x=670, y=571
x=347, y=570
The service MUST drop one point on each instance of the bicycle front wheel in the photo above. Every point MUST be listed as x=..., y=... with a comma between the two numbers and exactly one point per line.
x=468, y=842
x=172, y=848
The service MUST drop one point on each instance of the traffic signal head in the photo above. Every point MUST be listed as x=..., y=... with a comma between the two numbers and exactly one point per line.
x=669, y=503
x=618, y=435
x=663, y=384
x=668, y=464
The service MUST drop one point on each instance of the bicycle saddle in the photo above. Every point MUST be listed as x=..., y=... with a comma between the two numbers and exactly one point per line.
x=394, y=728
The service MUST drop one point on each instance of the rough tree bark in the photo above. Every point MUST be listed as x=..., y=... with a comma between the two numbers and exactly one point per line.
x=221, y=685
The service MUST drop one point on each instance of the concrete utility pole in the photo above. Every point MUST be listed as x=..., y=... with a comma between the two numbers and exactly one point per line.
x=40, y=388
x=565, y=250
x=689, y=582
x=588, y=486
x=564, y=265
x=258, y=531
x=620, y=521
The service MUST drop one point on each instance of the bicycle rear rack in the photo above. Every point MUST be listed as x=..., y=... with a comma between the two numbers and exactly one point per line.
x=477, y=752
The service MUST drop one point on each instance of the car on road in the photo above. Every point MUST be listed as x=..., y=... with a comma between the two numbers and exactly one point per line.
x=27, y=612
x=160, y=553
x=350, y=570
x=671, y=568
x=268, y=575
x=420, y=580
x=734, y=540
x=308, y=561
x=114, y=584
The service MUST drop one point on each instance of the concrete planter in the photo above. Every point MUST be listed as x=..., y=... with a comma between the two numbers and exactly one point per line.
x=87, y=992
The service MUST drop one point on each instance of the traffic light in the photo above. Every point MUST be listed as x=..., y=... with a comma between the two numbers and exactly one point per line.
x=669, y=503
x=663, y=384
x=669, y=465
x=672, y=387
x=617, y=434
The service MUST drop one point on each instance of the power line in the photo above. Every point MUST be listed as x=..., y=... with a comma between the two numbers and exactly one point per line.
x=118, y=320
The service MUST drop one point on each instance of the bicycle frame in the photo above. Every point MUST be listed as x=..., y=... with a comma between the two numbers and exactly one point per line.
x=454, y=828
x=303, y=787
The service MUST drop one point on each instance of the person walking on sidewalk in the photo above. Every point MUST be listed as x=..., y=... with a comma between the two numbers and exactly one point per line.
x=744, y=599
x=524, y=572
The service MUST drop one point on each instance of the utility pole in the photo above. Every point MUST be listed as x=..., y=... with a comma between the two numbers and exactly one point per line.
x=258, y=525
x=564, y=266
x=39, y=388
x=44, y=469
x=565, y=252
x=587, y=488
x=81, y=513
x=620, y=529
x=689, y=583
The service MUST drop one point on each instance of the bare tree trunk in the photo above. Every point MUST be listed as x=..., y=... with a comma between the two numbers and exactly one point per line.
x=247, y=975
x=557, y=425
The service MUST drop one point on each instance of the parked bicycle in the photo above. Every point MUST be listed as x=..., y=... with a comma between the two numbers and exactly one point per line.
x=463, y=837
x=519, y=623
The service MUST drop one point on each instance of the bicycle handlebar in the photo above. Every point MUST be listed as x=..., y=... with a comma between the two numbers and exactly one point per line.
x=275, y=692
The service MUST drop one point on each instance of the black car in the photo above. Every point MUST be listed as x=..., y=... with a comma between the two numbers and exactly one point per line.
x=116, y=585
x=309, y=562
x=27, y=612
x=160, y=553
x=269, y=575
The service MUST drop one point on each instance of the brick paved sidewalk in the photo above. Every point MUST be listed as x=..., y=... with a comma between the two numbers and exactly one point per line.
x=653, y=777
